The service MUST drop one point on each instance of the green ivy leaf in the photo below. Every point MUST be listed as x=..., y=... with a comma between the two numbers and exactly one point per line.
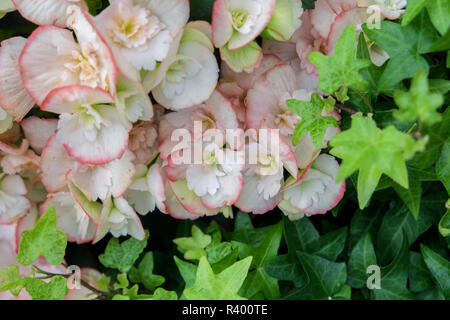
x=439, y=11
x=312, y=120
x=411, y=196
x=325, y=278
x=163, y=294
x=443, y=166
x=439, y=268
x=419, y=275
x=343, y=68
x=361, y=257
x=373, y=151
x=44, y=239
x=394, y=277
x=187, y=270
x=11, y=280
x=444, y=224
x=122, y=256
x=413, y=8
x=193, y=247
x=419, y=102
x=402, y=45
x=258, y=280
x=38, y=289
x=144, y=273
x=222, y=286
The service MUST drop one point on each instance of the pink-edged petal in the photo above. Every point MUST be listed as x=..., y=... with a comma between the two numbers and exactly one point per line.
x=38, y=131
x=69, y=98
x=13, y=96
x=252, y=201
x=188, y=199
x=43, y=61
x=222, y=110
x=317, y=191
x=55, y=164
x=239, y=40
x=173, y=13
x=156, y=185
x=247, y=80
x=326, y=11
x=89, y=37
x=356, y=16
x=122, y=170
x=108, y=143
x=263, y=100
x=174, y=208
x=47, y=11
x=222, y=28
x=72, y=220
x=228, y=193
x=92, y=208
x=193, y=89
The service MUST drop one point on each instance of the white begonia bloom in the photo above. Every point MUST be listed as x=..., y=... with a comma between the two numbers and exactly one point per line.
x=147, y=190
x=140, y=32
x=13, y=203
x=89, y=126
x=317, y=191
x=53, y=59
x=72, y=220
x=118, y=218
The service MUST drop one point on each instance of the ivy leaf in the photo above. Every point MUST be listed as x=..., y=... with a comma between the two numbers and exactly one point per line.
x=11, y=280
x=222, y=286
x=44, y=239
x=419, y=102
x=193, y=248
x=439, y=11
x=343, y=68
x=413, y=8
x=402, y=46
x=444, y=224
x=411, y=196
x=312, y=120
x=373, y=151
x=38, y=289
x=330, y=245
x=122, y=256
x=394, y=277
x=325, y=278
x=163, y=294
x=187, y=270
x=284, y=267
x=144, y=273
x=443, y=166
x=361, y=257
x=419, y=275
x=245, y=232
x=439, y=268
x=258, y=280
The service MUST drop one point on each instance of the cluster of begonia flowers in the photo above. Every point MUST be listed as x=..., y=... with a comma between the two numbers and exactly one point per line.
x=89, y=105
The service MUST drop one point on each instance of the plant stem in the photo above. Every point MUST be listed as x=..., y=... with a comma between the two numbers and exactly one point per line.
x=341, y=107
x=366, y=101
x=83, y=282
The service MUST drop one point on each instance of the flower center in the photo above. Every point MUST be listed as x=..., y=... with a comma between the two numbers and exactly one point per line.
x=239, y=17
x=134, y=26
x=85, y=63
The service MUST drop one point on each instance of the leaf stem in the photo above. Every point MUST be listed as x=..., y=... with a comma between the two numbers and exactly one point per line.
x=83, y=282
x=341, y=107
x=366, y=101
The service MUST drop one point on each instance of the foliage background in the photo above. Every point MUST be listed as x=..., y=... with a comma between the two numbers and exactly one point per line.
x=323, y=256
